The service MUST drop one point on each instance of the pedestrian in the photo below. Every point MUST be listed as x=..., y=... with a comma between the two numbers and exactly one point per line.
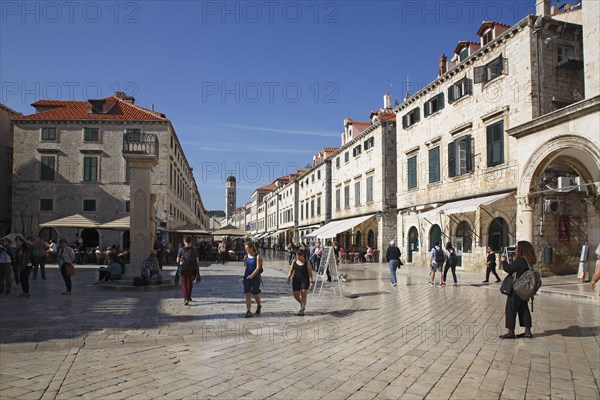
x=290, y=250
x=188, y=262
x=436, y=263
x=524, y=259
x=392, y=255
x=66, y=255
x=451, y=261
x=39, y=258
x=5, y=266
x=222, y=252
x=596, y=277
x=491, y=266
x=301, y=277
x=253, y=264
x=23, y=257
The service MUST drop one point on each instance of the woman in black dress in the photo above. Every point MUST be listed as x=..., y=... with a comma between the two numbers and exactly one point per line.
x=301, y=276
x=524, y=257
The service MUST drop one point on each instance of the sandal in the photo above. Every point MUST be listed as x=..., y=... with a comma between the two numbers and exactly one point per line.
x=508, y=336
x=248, y=314
x=258, y=309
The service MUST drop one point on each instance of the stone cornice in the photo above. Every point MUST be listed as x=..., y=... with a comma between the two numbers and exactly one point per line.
x=557, y=117
x=87, y=121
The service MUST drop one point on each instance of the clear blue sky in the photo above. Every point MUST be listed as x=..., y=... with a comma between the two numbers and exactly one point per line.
x=266, y=82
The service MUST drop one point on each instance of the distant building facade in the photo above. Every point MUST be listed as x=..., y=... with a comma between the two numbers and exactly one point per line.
x=6, y=164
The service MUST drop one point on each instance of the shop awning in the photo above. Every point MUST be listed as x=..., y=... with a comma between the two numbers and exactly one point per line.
x=331, y=229
x=229, y=230
x=191, y=229
x=121, y=224
x=72, y=221
x=465, y=206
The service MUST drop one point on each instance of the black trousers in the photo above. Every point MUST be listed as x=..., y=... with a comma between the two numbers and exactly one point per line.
x=24, y=278
x=67, y=279
x=493, y=271
x=453, y=269
x=515, y=306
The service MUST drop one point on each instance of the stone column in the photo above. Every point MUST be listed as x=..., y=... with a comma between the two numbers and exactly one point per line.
x=142, y=224
x=524, y=219
x=386, y=227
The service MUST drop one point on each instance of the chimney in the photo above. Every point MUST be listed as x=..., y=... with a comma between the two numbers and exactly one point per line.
x=120, y=95
x=443, y=65
x=542, y=8
x=387, y=100
x=124, y=97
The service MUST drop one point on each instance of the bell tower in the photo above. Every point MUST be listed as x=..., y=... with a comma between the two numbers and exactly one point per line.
x=229, y=196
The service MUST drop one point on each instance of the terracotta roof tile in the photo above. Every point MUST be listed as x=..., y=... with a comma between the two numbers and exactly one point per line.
x=329, y=149
x=116, y=109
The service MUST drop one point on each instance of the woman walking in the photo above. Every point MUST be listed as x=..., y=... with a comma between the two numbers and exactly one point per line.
x=188, y=262
x=23, y=257
x=301, y=276
x=451, y=261
x=491, y=265
x=253, y=268
x=524, y=258
x=66, y=255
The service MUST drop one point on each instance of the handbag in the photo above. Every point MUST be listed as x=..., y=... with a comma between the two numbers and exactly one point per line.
x=507, y=285
x=528, y=284
x=69, y=269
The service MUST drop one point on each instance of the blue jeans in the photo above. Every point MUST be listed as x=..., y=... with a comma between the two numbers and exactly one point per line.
x=393, y=266
x=147, y=274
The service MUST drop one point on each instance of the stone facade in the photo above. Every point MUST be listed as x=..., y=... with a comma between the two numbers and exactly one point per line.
x=6, y=162
x=591, y=50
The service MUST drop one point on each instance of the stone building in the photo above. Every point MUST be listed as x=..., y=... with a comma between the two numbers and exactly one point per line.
x=230, y=197
x=461, y=181
x=6, y=162
x=68, y=159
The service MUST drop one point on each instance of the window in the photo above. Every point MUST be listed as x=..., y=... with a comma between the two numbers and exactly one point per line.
x=337, y=199
x=434, y=164
x=357, y=150
x=357, y=193
x=463, y=54
x=433, y=105
x=91, y=134
x=312, y=208
x=48, y=133
x=89, y=205
x=564, y=53
x=411, y=118
x=337, y=162
x=46, y=204
x=464, y=232
x=302, y=211
x=48, y=168
x=460, y=158
x=369, y=143
x=90, y=169
x=495, y=144
x=460, y=89
x=347, y=196
x=135, y=135
x=369, y=189
x=127, y=205
x=491, y=70
x=412, y=172
x=319, y=175
x=313, y=178
x=306, y=209
x=488, y=36
x=347, y=156
x=318, y=206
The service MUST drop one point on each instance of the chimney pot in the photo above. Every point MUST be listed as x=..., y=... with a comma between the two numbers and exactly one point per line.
x=443, y=65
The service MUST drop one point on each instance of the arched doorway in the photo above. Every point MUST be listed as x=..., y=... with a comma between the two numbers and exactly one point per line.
x=358, y=239
x=498, y=234
x=48, y=233
x=435, y=235
x=413, y=242
x=90, y=237
x=371, y=238
x=464, y=240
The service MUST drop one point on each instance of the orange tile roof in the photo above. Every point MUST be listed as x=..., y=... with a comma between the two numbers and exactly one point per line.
x=329, y=149
x=267, y=188
x=360, y=122
x=488, y=24
x=116, y=109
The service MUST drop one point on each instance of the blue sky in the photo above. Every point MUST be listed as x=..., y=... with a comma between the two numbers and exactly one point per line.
x=263, y=83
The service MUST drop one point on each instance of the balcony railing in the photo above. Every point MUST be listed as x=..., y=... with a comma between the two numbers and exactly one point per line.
x=140, y=143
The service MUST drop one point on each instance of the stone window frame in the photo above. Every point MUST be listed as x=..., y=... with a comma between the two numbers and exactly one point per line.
x=433, y=105
x=357, y=191
x=491, y=70
x=455, y=159
x=489, y=134
x=83, y=205
x=411, y=118
x=460, y=89
x=338, y=198
x=369, y=188
x=433, y=178
x=412, y=171
x=48, y=206
x=90, y=139
x=54, y=167
x=44, y=132
x=83, y=163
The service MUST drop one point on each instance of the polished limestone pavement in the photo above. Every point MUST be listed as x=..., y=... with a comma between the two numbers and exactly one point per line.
x=375, y=341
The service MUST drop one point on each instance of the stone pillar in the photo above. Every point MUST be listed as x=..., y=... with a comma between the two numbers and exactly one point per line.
x=142, y=229
x=524, y=219
x=386, y=231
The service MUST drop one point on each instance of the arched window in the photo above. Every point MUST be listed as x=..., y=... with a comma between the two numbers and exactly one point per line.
x=413, y=242
x=465, y=233
x=358, y=239
x=435, y=235
x=48, y=233
x=371, y=238
x=498, y=234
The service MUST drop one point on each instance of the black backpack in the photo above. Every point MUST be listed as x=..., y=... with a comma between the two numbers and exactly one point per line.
x=187, y=259
x=453, y=259
x=439, y=255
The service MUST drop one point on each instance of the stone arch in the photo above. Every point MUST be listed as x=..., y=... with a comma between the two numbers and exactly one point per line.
x=580, y=153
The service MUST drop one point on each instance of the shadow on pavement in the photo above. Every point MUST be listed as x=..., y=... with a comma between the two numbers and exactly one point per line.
x=571, y=331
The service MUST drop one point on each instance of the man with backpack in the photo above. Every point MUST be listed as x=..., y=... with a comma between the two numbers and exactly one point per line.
x=188, y=262
x=437, y=263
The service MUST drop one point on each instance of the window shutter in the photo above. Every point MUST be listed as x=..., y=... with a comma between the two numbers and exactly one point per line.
x=479, y=74
x=469, y=155
x=451, y=159
x=451, y=94
x=417, y=115
x=440, y=100
x=404, y=122
x=426, y=108
x=504, y=65
x=490, y=144
x=468, y=86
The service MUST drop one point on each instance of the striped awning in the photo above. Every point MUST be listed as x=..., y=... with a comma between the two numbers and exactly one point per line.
x=121, y=224
x=72, y=221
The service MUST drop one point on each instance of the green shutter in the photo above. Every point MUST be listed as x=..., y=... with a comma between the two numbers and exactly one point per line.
x=426, y=109
x=479, y=74
x=451, y=94
x=404, y=122
x=440, y=100
x=469, y=155
x=434, y=165
x=417, y=115
x=451, y=159
x=412, y=172
x=468, y=86
x=489, y=133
